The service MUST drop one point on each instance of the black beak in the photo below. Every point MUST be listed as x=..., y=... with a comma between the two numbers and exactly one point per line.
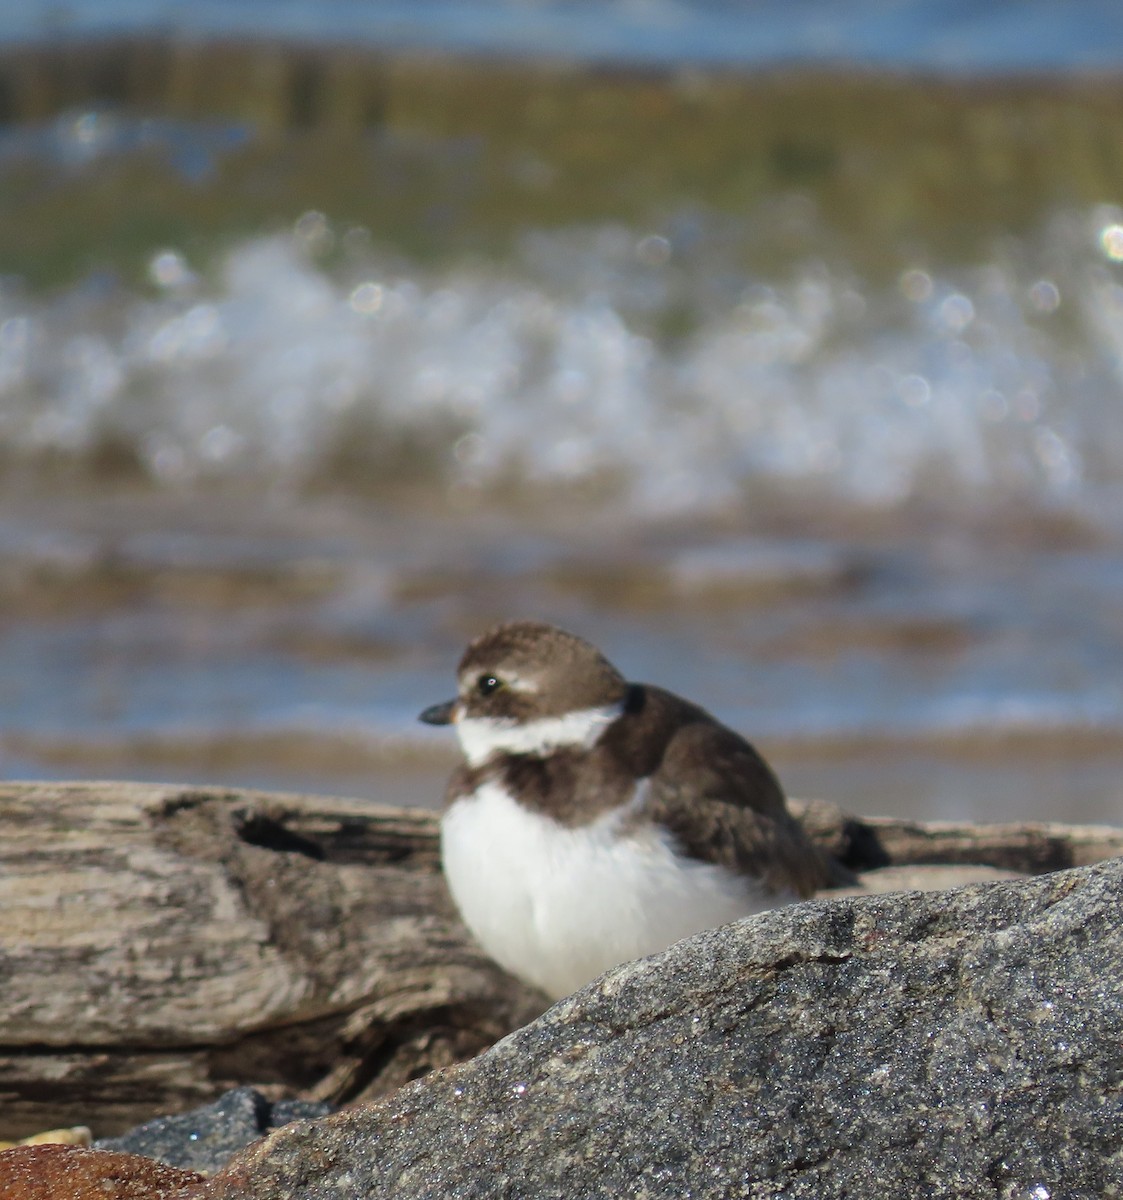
x=438, y=714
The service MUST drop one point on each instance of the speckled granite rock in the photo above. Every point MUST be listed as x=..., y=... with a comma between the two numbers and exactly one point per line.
x=954, y=1045
x=205, y=1138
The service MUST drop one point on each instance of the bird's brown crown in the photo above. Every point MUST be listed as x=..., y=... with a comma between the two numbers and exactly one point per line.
x=528, y=669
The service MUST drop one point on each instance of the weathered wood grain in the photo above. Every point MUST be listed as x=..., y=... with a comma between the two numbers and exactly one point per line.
x=1031, y=848
x=158, y=944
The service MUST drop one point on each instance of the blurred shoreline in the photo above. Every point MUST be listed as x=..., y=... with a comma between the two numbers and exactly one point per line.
x=161, y=637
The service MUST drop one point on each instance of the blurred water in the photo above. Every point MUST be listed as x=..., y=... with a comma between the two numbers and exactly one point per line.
x=873, y=525
x=993, y=385
x=1001, y=36
x=938, y=677
x=868, y=507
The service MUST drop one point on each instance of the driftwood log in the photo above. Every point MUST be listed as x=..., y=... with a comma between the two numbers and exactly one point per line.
x=161, y=944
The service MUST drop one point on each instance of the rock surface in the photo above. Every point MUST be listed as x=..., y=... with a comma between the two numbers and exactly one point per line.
x=205, y=1138
x=947, y=1045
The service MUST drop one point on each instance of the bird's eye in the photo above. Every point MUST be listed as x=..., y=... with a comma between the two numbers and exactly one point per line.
x=486, y=684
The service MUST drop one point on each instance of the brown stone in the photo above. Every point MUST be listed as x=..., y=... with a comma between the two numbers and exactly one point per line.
x=53, y=1171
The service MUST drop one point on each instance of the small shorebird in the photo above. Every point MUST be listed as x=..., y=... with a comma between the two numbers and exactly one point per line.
x=595, y=820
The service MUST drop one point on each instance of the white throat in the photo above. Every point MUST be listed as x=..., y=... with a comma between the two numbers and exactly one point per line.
x=483, y=737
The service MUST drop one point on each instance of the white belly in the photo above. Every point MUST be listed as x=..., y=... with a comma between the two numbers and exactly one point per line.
x=558, y=906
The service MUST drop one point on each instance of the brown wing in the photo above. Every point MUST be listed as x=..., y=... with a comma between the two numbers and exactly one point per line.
x=722, y=802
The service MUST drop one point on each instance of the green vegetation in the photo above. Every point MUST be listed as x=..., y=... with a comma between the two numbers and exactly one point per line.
x=441, y=159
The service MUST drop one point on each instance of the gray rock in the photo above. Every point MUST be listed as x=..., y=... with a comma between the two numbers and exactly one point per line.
x=205, y=1138
x=960, y=1044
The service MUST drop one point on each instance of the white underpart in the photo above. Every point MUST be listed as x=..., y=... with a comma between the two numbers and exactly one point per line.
x=558, y=906
x=483, y=737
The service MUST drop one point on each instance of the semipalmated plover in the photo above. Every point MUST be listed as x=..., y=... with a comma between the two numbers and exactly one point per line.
x=594, y=821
